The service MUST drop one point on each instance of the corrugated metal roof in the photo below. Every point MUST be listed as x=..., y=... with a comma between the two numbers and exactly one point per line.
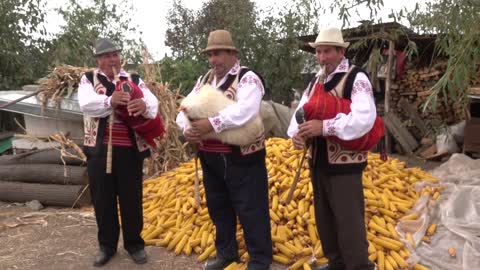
x=69, y=109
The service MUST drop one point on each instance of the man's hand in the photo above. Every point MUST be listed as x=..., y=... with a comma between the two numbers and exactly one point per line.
x=136, y=107
x=202, y=126
x=192, y=136
x=312, y=128
x=298, y=142
x=119, y=98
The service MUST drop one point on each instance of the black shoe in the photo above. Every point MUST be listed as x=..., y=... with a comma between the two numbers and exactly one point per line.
x=139, y=256
x=250, y=267
x=321, y=267
x=329, y=267
x=102, y=258
x=218, y=264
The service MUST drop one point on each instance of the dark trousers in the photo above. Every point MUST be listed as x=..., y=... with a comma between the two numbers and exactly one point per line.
x=339, y=215
x=124, y=183
x=234, y=186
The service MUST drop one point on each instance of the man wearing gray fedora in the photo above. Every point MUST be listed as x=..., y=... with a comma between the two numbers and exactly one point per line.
x=234, y=176
x=123, y=185
x=336, y=172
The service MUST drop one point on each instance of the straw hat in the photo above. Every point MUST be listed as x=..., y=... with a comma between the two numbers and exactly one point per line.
x=330, y=37
x=105, y=45
x=219, y=40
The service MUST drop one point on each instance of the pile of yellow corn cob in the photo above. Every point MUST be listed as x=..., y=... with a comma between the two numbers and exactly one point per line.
x=173, y=220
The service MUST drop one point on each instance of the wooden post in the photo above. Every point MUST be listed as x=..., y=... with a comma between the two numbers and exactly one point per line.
x=388, y=83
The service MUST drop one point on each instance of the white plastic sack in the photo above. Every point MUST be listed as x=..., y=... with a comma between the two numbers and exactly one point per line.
x=458, y=131
x=446, y=143
x=458, y=217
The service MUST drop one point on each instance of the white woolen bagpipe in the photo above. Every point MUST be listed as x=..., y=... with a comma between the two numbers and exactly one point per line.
x=207, y=103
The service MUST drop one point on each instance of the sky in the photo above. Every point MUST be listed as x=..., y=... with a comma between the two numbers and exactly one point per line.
x=152, y=17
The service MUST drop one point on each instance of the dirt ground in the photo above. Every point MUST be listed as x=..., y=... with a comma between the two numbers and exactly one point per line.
x=64, y=238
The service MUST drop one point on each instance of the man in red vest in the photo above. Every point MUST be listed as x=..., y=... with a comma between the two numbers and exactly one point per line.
x=336, y=172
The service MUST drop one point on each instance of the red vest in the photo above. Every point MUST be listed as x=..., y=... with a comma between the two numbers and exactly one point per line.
x=322, y=106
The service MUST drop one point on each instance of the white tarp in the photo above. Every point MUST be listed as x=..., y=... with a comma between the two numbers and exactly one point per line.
x=457, y=213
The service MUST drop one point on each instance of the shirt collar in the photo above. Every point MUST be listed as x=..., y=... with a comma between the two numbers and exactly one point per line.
x=122, y=73
x=341, y=68
x=235, y=69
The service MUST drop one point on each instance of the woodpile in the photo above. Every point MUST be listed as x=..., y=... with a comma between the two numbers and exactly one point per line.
x=412, y=91
x=55, y=177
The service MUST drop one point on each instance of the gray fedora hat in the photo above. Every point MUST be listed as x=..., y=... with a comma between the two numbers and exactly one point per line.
x=105, y=45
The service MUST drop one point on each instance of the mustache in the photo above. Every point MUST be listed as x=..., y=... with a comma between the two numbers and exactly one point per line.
x=217, y=66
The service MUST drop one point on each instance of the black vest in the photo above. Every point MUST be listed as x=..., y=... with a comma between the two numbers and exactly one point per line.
x=102, y=124
x=231, y=78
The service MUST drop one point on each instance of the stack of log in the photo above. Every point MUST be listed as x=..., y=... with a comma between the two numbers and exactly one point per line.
x=414, y=88
x=45, y=176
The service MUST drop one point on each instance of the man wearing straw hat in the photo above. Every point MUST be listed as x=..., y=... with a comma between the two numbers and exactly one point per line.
x=234, y=177
x=336, y=172
x=98, y=100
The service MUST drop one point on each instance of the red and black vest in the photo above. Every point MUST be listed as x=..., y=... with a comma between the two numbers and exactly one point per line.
x=326, y=153
x=96, y=133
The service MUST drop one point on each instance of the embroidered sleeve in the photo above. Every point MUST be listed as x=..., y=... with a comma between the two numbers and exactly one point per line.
x=91, y=103
x=217, y=122
x=251, y=80
x=362, y=87
x=249, y=96
x=329, y=128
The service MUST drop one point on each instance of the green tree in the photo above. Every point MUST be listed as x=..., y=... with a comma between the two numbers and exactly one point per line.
x=267, y=43
x=459, y=40
x=179, y=35
x=85, y=23
x=21, y=42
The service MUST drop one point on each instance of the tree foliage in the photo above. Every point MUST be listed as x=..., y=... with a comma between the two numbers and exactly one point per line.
x=458, y=39
x=26, y=53
x=85, y=23
x=267, y=43
x=21, y=41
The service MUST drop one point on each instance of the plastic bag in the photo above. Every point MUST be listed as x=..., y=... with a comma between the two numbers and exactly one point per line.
x=457, y=216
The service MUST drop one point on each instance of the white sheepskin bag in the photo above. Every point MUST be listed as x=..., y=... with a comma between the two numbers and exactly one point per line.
x=208, y=102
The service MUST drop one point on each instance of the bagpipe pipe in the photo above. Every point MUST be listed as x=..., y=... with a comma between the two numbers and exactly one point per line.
x=148, y=129
x=324, y=106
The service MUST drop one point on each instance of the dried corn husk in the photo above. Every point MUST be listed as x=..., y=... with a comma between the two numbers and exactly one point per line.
x=61, y=83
